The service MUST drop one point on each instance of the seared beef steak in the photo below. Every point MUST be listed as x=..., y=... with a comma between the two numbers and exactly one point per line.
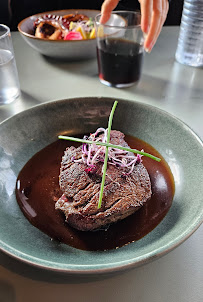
x=123, y=193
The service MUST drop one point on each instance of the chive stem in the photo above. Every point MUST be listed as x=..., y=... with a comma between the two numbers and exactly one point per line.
x=83, y=141
x=106, y=154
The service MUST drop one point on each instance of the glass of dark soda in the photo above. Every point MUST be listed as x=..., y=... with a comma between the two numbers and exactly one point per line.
x=120, y=48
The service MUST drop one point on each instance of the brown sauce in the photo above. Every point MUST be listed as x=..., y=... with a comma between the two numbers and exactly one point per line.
x=38, y=189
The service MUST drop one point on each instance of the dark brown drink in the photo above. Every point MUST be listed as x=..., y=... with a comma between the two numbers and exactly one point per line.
x=119, y=62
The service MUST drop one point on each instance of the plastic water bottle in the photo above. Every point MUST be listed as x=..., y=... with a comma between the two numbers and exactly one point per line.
x=190, y=42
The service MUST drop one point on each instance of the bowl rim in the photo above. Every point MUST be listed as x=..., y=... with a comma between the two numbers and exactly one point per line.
x=51, y=12
x=115, y=266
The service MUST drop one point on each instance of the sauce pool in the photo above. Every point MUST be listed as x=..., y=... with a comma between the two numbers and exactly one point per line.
x=37, y=190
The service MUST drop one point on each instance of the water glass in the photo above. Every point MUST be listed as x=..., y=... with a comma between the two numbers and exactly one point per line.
x=120, y=47
x=9, y=83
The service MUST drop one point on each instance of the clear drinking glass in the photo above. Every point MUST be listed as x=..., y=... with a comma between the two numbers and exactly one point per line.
x=120, y=47
x=9, y=83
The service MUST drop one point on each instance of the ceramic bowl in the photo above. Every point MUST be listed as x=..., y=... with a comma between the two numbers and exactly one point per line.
x=72, y=50
x=28, y=132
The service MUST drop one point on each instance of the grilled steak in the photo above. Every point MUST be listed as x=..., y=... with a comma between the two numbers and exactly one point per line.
x=123, y=193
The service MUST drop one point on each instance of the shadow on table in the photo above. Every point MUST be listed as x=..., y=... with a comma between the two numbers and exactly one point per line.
x=38, y=274
x=80, y=67
x=7, y=292
x=24, y=101
x=29, y=99
x=151, y=87
x=180, y=85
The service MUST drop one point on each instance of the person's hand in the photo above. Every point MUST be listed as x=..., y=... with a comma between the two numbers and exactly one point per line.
x=153, y=16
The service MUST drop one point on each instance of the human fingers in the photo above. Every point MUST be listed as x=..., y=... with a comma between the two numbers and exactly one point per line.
x=160, y=10
x=146, y=7
x=154, y=25
x=106, y=9
x=165, y=7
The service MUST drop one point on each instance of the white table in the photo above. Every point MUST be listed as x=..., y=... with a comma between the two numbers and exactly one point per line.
x=178, y=89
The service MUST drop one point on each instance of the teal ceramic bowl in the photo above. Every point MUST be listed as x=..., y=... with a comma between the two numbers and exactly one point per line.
x=28, y=132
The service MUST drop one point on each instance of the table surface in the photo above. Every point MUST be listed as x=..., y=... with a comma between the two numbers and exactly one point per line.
x=166, y=84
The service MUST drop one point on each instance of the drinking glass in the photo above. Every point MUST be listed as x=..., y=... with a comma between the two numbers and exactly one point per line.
x=120, y=48
x=9, y=83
